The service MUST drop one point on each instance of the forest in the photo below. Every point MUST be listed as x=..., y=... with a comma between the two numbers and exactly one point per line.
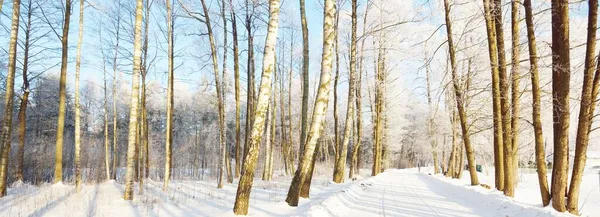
x=299, y=108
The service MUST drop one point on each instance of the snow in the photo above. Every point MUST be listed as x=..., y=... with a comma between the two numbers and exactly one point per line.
x=405, y=192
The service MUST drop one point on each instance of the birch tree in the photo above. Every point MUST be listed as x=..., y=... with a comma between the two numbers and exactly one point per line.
x=340, y=164
x=320, y=107
x=170, y=102
x=8, y=100
x=245, y=185
x=133, y=112
x=77, y=107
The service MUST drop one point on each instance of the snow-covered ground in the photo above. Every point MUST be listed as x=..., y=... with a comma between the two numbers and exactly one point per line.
x=405, y=192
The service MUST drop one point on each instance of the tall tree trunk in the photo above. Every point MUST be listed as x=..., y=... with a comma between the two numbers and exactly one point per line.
x=106, y=142
x=356, y=152
x=77, y=107
x=8, y=100
x=144, y=121
x=455, y=149
x=509, y=174
x=115, y=123
x=289, y=105
x=335, y=93
x=586, y=110
x=133, y=112
x=268, y=144
x=25, y=97
x=561, y=69
x=340, y=164
x=219, y=89
x=320, y=107
x=60, y=128
x=224, y=92
x=430, y=121
x=250, y=87
x=459, y=99
x=515, y=75
x=236, y=69
x=245, y=185
x=540, y=153
x=305, y=76
x=170, y=100
x=284, y=142
x=498, y=132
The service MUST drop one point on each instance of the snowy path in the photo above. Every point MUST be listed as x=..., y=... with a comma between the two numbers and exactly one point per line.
x=409, y=193
x=392, y=193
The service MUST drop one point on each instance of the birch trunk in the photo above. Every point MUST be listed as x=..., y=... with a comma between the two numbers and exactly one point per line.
x=320, y=107
x=77, y=107
x=115, y=123
x=133, y=113
x=249, y=166
x=9, y=98
x=170, y=100
x=340, y=164
x=250, y=87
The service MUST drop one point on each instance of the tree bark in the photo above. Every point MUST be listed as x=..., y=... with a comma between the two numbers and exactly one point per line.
x=60, y=128
x=498, y=132
x=250, y=87
x=586, y=110
x=305, y=76
x=133, y=113
x=170, y=100
x=236, y=71
x=115, y=123
x=335, y=93
x=340, y=164
x=8, y=100
x=320, y=107
x=245, y=185
x=77, y=107
x=459, y=99
x=25, y=97
x=560, y=98
x=540, y=153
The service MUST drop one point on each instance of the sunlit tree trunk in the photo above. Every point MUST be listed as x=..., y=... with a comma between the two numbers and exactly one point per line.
x=498, y=133
x=250, y=86
x=430, y=121
x=305, y=76
x=77, y=107
x=144, y=122
x=133, y=112
x=245, y=185
x=509, y=174
x=60, y=128
x=560, y=98
x=224, y=93
x=25, y=97
x=586, y=110
x=320, y=107
x=335, y=92
x=8, y=100
x=268, y=140
x=540, y=153
x=170, y=101
x=236, y=71
x=115, y=123
x=340, y=164
x=219, y=88
x=459, y=99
